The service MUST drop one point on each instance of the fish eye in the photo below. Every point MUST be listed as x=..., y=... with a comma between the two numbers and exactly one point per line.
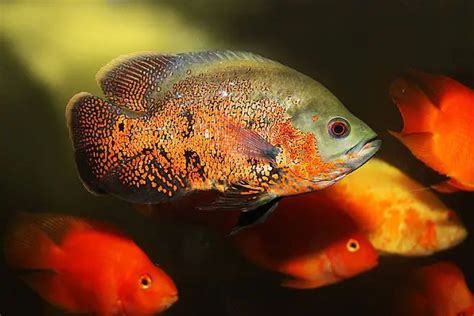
x=339, y=127
x=352, y=245
x=145, y=281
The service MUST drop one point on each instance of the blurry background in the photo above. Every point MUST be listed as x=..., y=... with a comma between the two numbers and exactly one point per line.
x=50, y=50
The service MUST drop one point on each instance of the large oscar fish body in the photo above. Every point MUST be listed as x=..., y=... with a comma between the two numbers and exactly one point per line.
x=237, y=123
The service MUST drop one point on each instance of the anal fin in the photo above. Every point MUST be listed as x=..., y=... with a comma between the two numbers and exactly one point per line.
x=254, y=217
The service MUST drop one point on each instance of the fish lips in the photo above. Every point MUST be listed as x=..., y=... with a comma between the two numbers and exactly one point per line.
x=353, y=158
x=359, y=154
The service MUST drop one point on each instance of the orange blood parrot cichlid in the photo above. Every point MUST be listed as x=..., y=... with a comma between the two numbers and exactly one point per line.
x=314, y=245
x=438, y=115
x=397, y=214
x=249, y=128
x=83, y=266
x=435, y=290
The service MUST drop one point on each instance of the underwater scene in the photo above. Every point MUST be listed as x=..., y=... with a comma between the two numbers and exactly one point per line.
x=230, y=158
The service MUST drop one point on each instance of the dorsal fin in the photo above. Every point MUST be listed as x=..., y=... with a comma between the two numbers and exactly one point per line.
x=437, y=88
x=129, y=80
x=55, y=226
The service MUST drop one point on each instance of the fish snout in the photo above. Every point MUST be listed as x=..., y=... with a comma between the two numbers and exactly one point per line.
x=169, y=301
x=362, y=152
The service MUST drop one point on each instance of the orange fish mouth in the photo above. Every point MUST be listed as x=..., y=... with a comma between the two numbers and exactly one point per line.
x=169, y=301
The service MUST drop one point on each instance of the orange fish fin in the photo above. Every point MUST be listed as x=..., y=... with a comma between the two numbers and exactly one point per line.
x=99, y=134
x=437, y=87
x=302, y=284
x=244, y=141
x=417, y=110
x=451, y=186
x=28, y=245
x=88, y=136
x=239, y=197
x=422, y=147
x=38, y=279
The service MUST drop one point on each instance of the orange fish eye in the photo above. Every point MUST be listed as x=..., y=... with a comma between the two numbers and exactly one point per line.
x=339, y=127
x=145, y=281
x=352, y=245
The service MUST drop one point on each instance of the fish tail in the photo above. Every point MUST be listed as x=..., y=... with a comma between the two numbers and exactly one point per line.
x=95, y=129
x=27, y=247
x=418, y=111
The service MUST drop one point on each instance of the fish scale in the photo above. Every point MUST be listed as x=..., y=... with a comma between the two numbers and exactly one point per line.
x=174, y=124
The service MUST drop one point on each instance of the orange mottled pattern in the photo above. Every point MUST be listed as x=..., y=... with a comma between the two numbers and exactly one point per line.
x=196, y=137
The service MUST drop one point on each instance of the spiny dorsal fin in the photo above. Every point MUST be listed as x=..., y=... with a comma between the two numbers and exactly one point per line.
x=55, y=226
x=437, y=88
x=129, y=80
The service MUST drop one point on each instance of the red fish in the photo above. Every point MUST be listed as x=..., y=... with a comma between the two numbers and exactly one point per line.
x=438, y=115
x=436, y=290
x=315, y=245
x=83, y=266
x=468, y=311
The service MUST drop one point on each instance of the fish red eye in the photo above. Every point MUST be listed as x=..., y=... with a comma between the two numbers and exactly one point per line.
x=145, y=281
x=352, y=245
x=339, y=127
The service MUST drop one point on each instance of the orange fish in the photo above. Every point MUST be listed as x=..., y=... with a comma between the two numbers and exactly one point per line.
x=82, y=266
x=436, y=290
x=396, y=213
x=314, y=246
x=438, y=115
x=468, y=311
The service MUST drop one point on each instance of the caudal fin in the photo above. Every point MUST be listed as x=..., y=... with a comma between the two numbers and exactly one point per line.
x=418, y=111
x=97, y=134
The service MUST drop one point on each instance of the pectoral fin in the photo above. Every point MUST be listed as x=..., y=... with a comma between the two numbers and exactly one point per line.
x=240, y=140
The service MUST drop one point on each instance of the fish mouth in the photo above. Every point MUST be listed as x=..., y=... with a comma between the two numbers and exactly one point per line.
x=352, y=159
x=169, y=301
x=359, y=154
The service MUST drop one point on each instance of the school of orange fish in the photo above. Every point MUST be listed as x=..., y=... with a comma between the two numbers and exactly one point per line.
x=280, y=154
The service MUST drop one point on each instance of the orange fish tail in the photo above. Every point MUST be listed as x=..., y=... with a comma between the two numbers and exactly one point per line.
x=438, y=87
x=92, y=122
x=28, y=247
x=419, y=113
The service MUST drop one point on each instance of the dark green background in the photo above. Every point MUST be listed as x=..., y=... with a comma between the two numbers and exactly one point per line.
x=354, y=47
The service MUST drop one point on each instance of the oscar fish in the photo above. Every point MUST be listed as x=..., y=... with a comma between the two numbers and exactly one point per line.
x=85, y=266
x=235, y=123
